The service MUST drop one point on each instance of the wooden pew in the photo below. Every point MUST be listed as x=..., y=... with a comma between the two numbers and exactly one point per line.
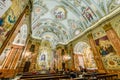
x=47, y=78
x=7, y=73
x=92, y=75
x=39, y=75
x=107, y=77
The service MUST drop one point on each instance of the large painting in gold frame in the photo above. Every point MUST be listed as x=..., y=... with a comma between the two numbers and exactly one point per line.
x=108, y=54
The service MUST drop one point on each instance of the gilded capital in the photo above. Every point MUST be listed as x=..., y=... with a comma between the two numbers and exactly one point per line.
x=89, y=35
x=107, y=27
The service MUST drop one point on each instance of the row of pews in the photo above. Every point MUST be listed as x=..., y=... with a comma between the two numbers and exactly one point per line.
x=98, y=76
x=108, y=77
x=48, y=76
x=7, y=73
x=60, y=76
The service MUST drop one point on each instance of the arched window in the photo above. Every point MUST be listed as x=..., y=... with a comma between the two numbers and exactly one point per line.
x=21, y=37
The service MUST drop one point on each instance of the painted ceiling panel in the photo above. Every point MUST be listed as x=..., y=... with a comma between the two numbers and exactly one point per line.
x=60, y=21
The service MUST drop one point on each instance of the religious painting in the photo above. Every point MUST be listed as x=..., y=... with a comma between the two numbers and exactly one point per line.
x=105, y=47
x=109, y=57
x=88, y=14
x=42, y=58
x=59, y=12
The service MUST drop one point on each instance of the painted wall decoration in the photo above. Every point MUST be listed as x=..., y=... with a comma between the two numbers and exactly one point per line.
x=109, y=57
x=98, y=33
x=9, y=17
x=112, y=62
x=59, y=12
x=4, y=5
x=116, y=25
x=88, y=14
x=1, y=21
x=39, y=9
x=75, y=27
x=1, y=24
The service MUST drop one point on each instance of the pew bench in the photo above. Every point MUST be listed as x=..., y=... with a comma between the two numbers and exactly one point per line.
x=7, y=73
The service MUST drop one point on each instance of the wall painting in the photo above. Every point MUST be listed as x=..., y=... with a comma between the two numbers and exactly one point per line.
x=109, y=57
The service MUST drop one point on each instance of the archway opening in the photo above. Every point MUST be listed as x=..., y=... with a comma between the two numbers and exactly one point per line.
x=83, y=57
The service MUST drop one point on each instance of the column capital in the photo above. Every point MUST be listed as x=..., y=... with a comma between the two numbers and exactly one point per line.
x=89, y=35
x=107, y=27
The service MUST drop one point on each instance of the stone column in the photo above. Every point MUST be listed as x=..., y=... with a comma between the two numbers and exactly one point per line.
x=96, y=54
x=113, y=37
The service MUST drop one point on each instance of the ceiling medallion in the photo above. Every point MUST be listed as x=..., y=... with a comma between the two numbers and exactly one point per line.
x=59, y=12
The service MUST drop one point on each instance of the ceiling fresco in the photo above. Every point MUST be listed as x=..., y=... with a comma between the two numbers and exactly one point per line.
x=59, y=21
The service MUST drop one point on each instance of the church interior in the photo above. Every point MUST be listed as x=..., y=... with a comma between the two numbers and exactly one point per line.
x=60, y=39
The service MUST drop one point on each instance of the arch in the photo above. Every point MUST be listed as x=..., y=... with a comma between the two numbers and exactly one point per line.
x=84, y=56
x=79, y=47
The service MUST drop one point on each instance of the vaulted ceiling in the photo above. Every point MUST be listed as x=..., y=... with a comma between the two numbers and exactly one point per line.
x=59, y=21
